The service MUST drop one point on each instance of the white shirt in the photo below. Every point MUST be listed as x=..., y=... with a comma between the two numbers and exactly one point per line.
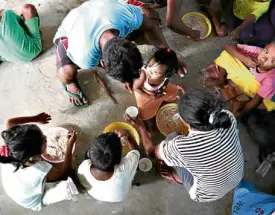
x=117, y=187
x=26, y=186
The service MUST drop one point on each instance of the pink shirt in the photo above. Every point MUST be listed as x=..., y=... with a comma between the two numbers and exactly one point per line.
x=267, y=79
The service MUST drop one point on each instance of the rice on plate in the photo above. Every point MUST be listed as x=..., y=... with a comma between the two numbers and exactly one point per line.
x=56, y=144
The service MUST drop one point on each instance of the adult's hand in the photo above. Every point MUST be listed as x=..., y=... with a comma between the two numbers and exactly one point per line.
x=137, y=123
x=195, y=35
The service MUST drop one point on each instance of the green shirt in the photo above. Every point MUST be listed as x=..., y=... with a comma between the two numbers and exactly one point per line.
x=20, y=41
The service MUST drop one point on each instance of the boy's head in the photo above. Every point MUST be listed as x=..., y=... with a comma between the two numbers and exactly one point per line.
x=105, y=152
x=164, y=63
x=122, y=60
x=266, y=57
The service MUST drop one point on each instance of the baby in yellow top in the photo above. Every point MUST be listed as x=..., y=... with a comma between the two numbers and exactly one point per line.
x=236, y=15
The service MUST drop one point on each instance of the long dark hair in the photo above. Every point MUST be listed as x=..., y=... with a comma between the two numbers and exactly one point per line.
x=23, y=142
x=197, y=107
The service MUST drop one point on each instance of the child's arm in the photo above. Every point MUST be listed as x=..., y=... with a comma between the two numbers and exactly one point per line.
x=60, y=172
x=42, y=118
x=138, y=84
x=233, y=50
x=248, y=20
x=253, y=103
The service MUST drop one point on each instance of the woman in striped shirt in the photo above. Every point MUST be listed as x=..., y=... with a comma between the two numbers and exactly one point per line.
x=209, y=160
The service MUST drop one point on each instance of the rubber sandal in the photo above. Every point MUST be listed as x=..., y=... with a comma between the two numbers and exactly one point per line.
x=77, y=96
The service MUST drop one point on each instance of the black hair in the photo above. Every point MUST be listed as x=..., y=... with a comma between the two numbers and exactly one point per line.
x=196, y=108
x=122, y=60
x=105, y=152
x=167, y=57
x=23, y=142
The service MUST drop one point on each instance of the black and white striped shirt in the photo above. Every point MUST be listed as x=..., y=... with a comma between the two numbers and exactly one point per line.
x=214, y=158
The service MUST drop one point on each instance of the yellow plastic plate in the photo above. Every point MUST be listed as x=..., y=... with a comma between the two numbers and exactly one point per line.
x=205, y=19
x=123, y=125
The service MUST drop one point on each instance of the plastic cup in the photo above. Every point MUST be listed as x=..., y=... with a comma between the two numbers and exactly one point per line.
x=132, y=112
x=145, y=164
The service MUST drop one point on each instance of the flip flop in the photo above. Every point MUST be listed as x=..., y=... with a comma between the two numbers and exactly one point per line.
x=77, y=96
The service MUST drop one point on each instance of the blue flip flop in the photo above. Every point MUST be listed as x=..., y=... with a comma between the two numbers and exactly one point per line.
x=77, y=96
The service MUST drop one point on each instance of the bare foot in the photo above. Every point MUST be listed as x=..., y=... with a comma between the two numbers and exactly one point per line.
x=168, y=173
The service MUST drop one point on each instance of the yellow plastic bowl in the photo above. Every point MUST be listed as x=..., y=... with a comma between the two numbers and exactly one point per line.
x=123, y=125
x=207, y=21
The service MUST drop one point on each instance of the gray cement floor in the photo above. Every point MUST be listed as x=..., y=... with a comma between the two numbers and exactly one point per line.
x=32, y=88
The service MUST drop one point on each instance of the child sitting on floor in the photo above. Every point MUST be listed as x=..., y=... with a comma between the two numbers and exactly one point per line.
x=105, y=174
x=236, y=15
x=261, y=63
x=153, y=87
x=24, y=174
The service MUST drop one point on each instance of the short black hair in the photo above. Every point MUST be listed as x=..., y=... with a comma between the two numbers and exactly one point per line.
x=167, y=57
x=196, y=106
x=23, y=142
x=105, y=152
x=122, y=60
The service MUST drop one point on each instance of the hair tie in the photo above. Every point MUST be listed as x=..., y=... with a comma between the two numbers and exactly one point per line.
x=212, y=116
x=4, y=151
x=168, y=50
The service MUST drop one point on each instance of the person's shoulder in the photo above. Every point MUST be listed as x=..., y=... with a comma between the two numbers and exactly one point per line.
x=133, y=152
x=42, y=166
x=231, y=117
x=86, y=164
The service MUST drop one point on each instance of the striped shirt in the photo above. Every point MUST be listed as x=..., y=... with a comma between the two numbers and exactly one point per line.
x=214, y=158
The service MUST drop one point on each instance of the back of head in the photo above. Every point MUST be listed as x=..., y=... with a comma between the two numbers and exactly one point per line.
x=203, y=111
x=23, y=142
x=122, y=60
x=167, y=57
x=105, y=152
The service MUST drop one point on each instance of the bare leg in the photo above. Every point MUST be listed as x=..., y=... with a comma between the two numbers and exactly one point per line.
x=68, y=75
x=168, y=173
x=219, y=81
x=221, y=28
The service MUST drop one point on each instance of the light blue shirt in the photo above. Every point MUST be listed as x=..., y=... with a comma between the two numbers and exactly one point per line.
x=26, y=186
x=84, y=26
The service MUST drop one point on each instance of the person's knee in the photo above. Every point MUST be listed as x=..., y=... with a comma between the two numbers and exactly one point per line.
x=29, y=11
x=67, y=73
x=170, y=23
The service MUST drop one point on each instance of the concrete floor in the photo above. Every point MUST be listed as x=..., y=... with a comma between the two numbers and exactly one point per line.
x=32, y=88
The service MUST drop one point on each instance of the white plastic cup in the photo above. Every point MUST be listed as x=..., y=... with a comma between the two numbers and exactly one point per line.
x=132, y=111
x=145, y=164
